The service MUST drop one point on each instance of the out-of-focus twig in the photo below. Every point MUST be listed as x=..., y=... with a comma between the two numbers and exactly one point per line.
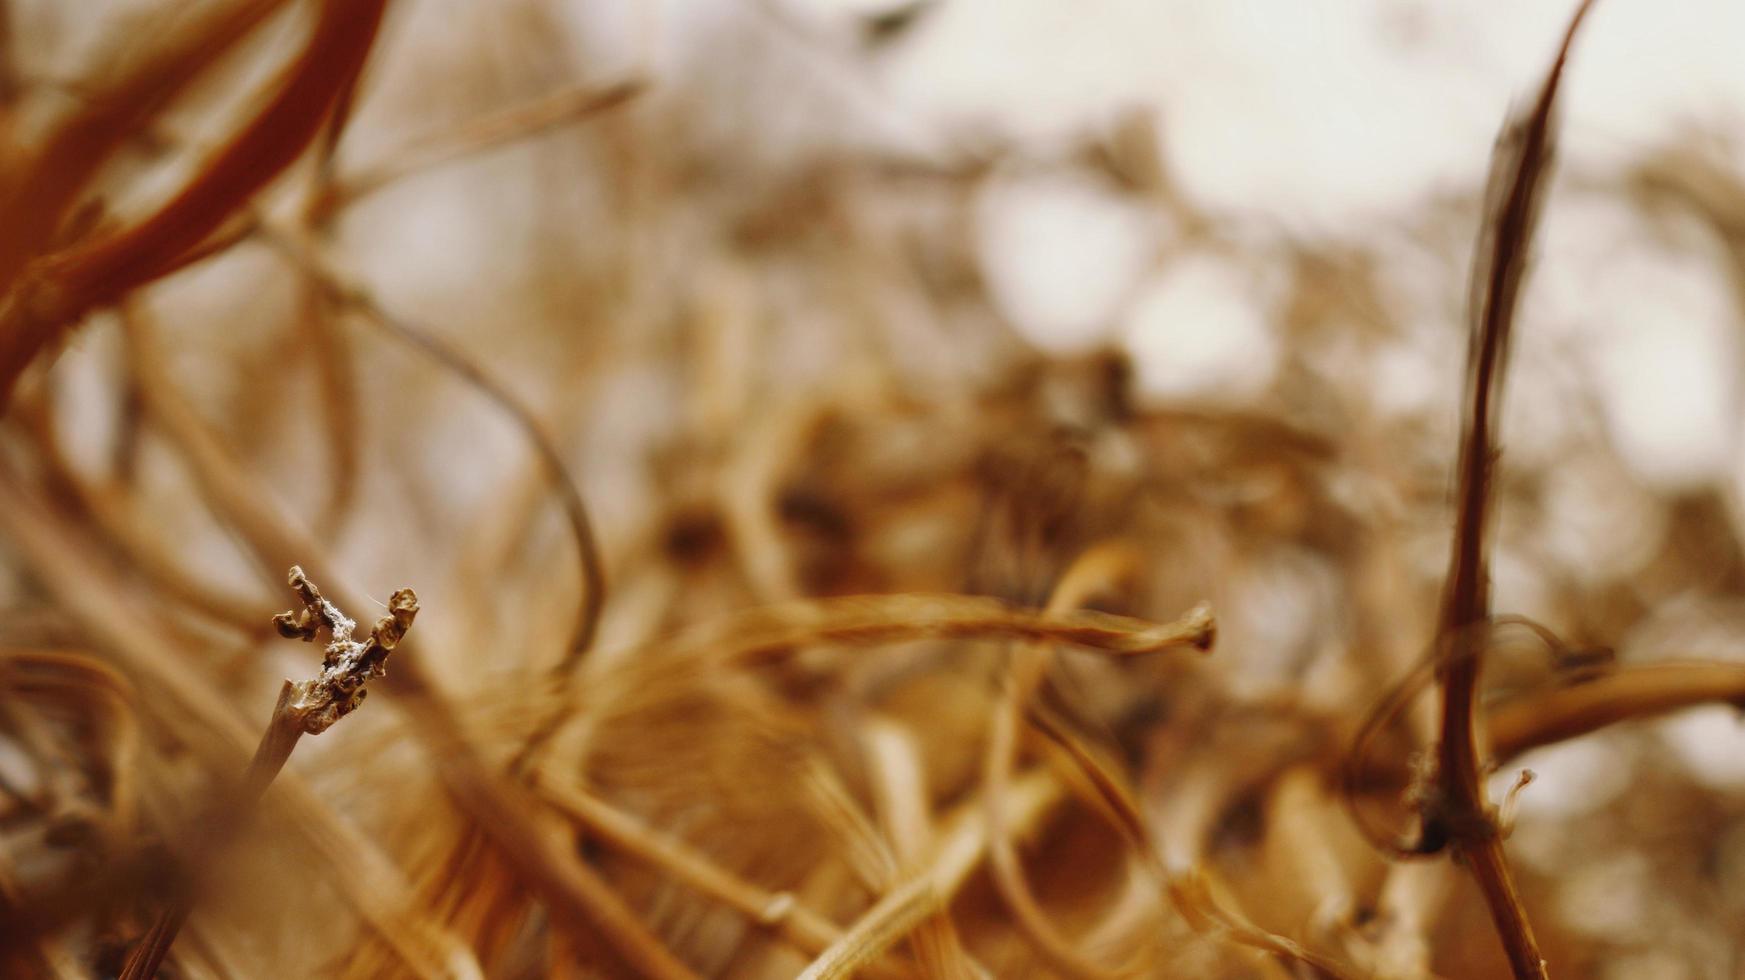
x=515, y=123
x=1194, y=891
x=779, y=911
x=56, y=291
x=897, y=775
x=328, y=342
x=38, y=193
x=961, y=847
x=772, y=632
x=1094, y=571
x=1624, y=694
x=109, y=508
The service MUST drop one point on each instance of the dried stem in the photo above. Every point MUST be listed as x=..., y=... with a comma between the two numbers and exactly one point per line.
x=39, y=193
x=328, y=344
x=499, y=129
x=1626, y=694
x=773, y=632
x=107, y=506
x=195, y=712
x=805, y=929
x=770, y=633
x=304, y=708
x=56, y=291
x=896, y=774
x=1092, y=572
x=961, y=848
x=1456, y=813
x=1192, y=891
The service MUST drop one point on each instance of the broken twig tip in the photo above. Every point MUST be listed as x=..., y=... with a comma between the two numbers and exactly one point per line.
x=1206, y=627
x=349, y=664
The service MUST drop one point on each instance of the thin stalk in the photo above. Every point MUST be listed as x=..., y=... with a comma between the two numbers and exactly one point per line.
x=1456, y=813
x=307, y=707
x=53, y=293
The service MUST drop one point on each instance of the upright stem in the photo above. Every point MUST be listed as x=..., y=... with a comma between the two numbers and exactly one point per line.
x=1456, y=813
x=304, y=708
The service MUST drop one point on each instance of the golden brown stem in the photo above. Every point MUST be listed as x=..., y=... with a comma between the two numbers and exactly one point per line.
x=1628, y=693
x=305, y=707
x=55, y=292
x=1456, y=813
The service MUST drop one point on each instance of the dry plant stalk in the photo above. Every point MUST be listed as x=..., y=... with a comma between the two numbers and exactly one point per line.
x=529, y=818
x=304, y=708
x=55, y=291
x=1093, y=572
x=1455, y=812
x=960, y=848
x=1625, y=694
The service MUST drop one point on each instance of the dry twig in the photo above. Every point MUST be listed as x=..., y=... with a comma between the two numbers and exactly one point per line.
x=304, y=708
x=1455, y=812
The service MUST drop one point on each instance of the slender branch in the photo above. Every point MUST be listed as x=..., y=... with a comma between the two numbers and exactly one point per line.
x=1624, y=694
x=1092, y=572
x=489, y=132
x=304, y=708
x=1455, y=812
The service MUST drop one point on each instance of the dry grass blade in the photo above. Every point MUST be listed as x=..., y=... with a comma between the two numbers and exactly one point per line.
x=888, y=495
x=332, y=352
x=105, y=701
x=898, y=779
x=763, y=635
x=1192, y=891
x=1197, y=895
x=59, y=289
x=107, y=506
x=520, y=122
x=961, y=847
x=773, y=631
x=779, y=911
x=1456, y=814
x=1093, y=572
x=1628, y=693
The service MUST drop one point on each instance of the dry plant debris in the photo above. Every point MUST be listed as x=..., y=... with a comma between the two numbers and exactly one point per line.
x=900, y=670
x=304, y=708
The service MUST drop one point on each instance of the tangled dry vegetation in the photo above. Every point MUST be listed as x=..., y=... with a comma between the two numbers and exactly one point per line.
x=782, y=613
